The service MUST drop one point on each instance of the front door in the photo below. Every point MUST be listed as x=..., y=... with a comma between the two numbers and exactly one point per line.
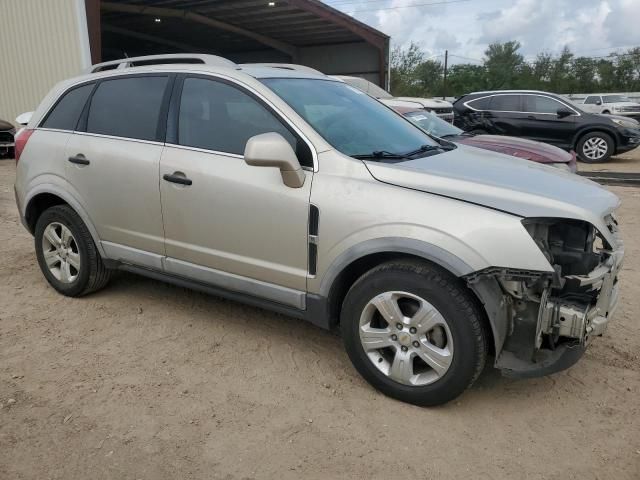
x=228, y=223
x=543, y=123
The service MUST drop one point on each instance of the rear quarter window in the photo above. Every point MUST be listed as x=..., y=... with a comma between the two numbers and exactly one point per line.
x=479, y=103
x=66, y=112
x=127, y=107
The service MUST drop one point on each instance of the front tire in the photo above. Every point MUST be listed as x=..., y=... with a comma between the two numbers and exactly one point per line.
x=67, y=254
x=595, y=147
x=414, y=332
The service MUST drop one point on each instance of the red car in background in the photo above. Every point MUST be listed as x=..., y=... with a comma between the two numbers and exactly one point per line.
x=516, y=147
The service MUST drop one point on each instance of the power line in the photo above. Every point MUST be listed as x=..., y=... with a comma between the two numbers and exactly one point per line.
x=417, y=5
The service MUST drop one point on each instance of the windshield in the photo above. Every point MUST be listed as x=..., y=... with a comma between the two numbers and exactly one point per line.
x=615, y=99
x=351, y=121
x=433, y=124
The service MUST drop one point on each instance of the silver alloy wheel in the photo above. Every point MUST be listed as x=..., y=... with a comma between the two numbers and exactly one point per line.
x=595, y=148
x=406, y=338
x=60, y=251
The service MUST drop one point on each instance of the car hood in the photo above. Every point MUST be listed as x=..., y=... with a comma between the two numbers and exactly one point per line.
x=518, y=147
x=427, y=102
x=497, y=181
x=4, y=125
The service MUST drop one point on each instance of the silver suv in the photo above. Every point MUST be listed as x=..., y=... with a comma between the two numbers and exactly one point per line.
x=295, y=192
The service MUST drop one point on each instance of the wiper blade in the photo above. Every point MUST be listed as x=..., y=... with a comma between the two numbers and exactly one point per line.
x=422, y=149
x=379, y=154
x=382, y=154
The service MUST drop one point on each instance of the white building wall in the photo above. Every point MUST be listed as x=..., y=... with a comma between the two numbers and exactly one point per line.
x=41, y=43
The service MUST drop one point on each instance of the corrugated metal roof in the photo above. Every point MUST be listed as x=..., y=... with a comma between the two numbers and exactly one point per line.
x=297, y=23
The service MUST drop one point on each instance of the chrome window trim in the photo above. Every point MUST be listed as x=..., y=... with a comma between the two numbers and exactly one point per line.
x=216, y=152
x=59, y=130
x=115, y=137
x=466, y=104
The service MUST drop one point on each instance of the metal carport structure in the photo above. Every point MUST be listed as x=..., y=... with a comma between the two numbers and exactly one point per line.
x=307, y=32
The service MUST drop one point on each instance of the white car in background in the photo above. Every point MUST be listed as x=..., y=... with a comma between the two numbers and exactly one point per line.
x=441, y=108
x=611, y=104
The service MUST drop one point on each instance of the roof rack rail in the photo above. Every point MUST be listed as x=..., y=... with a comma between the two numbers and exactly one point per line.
x=284, y=66
x=188, y=58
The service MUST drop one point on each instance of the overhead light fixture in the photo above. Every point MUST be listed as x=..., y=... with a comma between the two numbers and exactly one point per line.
x=272, y=4
x=157, y=20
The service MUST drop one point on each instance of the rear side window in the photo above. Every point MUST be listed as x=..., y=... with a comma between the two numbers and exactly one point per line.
x=127, y=107
x=480, y=103
x=505, y=103
x=216, y=116
x=66, y=112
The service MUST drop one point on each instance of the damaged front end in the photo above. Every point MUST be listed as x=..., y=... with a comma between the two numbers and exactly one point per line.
x=544, y=321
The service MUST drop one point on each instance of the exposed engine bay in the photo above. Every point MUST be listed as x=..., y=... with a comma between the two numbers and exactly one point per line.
x=548, y=313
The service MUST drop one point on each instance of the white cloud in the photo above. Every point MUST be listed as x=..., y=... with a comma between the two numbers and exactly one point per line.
x=588, y=27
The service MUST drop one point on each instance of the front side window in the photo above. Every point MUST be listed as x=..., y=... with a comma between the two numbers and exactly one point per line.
x=592, y=100
x=348, y=119
x=505, y=103
x=127, y=107
x=66, y=113
x=539, y=104
x=219, y=117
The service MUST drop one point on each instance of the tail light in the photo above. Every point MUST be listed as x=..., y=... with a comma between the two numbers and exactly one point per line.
x=21, y=139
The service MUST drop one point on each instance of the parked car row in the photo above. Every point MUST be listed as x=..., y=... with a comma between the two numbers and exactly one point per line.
x=442, y=108
x=513, y=146
x=7, y=133
x=295, y=192
x=548, y=118
x=611, y=105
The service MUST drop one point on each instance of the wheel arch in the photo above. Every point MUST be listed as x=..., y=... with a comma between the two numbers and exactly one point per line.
x=356, y=261
x=596, y=128
x=45, y=196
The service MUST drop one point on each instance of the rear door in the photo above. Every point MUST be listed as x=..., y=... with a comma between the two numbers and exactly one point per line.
x=542, y=122
x=505, y=114
x=113, y=164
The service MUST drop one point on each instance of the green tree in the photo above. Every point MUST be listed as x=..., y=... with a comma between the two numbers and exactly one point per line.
x=503, y=64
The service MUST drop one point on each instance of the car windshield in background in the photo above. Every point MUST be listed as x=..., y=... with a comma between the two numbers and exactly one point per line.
x=433, y=124
x=615, y=99
x=350, y=120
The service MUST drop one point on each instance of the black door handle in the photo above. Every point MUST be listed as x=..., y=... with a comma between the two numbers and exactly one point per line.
x=177, y=178
x=532, y=117
x=79, y=160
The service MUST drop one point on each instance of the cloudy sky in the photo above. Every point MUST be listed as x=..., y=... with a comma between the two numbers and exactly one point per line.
x=466, y=27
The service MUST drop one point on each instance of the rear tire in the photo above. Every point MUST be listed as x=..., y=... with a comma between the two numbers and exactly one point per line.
x=440, y=350
x=595, y=147
x=66, y=253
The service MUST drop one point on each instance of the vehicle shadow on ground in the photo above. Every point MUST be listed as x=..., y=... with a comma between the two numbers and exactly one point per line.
x=277, y=329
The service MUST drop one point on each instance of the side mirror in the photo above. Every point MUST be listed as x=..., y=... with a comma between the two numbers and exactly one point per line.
x=24, y=118
x=564, y=112
x=272, y=150
x=599, y=102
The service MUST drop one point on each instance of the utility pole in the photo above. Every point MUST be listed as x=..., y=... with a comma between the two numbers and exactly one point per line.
x=446, y=67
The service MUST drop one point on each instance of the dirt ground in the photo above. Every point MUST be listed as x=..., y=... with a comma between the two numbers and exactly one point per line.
x=149, y=381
